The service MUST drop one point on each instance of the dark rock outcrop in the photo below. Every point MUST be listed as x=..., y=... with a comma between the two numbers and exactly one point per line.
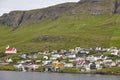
x=17, y=18
x=48, y=38
x=94, y=7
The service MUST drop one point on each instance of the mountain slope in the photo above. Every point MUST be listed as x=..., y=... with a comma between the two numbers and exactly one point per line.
x=94, y=7
x=70, y=29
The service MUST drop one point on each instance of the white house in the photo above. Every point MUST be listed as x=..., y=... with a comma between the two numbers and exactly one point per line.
x=45, y=58
x=45, y=62
x=86, y=66
x=113, y=51
x=95, y=58
x=35, y=66
x=118, y=62
x=9, y=60
x=109, y=63
x=71, y=56
x=72, y=51
x=91, y=58
x=23, y=56
x=77, y=49
x=10, y=50
x=55, y=56
x=20, y=67
x=68, y=65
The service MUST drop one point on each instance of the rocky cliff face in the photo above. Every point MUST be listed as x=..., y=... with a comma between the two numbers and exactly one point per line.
x=94, y=7
x=17, y=18
x=117, y=5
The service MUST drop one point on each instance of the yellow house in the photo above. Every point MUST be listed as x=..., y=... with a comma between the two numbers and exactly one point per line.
x=57, y=64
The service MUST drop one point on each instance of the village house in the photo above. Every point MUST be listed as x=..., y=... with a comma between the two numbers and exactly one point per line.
x=77, y=49
x=41, y=53
x=26, y=67
x=118, y=62
x=84, y=51
x=24, y=56
x=68, y=65
x=104, y=49
x=86, y=66
x=98, y=64
x=19, y=67
x=32, y=56
x=80, y=62
x=100, y=61
x=46, y=62
x=38, y=62
x=20, y=62
x=92, y=58
x=98, y=49
x=71, y=57
x=113, y=50
x=45, y=57
x=63, y=52
x=95, y=66
x=72, y=51
x=57, y=65
x=9, y=60
x=10, y=50
x=34, y=66
x=63, y=56
x=54, y=52
x=54, y=56
x=5, y=61
x=109, y=63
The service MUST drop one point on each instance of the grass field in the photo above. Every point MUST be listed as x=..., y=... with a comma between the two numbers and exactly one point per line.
x=76, y=30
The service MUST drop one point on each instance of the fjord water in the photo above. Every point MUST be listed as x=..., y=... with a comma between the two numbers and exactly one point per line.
x=9, y=75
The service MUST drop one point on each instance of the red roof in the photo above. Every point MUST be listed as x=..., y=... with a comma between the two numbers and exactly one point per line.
x=10, y=49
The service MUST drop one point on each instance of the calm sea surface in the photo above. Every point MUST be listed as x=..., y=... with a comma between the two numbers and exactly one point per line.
x=8, y=75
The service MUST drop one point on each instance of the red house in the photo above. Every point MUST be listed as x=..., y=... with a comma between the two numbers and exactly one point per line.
x=10, y=50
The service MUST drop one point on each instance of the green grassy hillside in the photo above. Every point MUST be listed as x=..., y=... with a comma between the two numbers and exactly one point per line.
x=76, y=30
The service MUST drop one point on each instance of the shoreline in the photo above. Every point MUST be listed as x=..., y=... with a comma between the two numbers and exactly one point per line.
x=91, y=73
x=99, y=73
